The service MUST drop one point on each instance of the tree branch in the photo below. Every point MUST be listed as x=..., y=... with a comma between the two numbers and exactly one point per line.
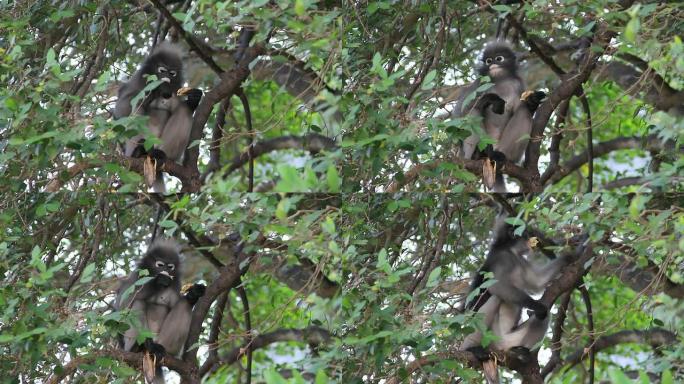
x=312, y=142
x=648, y=143
x=312, y=335
x=655, y=337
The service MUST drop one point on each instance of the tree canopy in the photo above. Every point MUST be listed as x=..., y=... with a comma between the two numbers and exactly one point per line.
x=351, y=257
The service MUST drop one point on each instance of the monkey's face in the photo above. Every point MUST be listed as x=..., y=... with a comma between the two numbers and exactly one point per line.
x=163, y=266
x=165, y=272
x=168, y=69
x=498, y=61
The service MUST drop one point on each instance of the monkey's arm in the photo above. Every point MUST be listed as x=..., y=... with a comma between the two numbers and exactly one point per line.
x=127, y=92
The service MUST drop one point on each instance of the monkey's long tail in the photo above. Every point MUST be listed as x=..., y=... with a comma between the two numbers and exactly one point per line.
x=499, y=183
x=158, y=185
x=491, y=371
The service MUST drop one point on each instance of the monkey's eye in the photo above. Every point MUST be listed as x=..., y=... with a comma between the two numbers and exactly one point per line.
x=173, y=73
x=499, y=58
x=488, y=60
x=159, y=264
x=171, y=267
x=161, y=70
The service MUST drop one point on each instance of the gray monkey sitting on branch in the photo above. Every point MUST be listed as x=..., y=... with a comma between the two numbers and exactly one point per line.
x=506, y=110
x=501, y=304
x=159, y=305
x=170, y=117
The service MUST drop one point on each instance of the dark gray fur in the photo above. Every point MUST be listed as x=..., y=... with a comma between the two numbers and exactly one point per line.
x=170, y=119
x=502, y=303
x=510, y=129
x=158, y=303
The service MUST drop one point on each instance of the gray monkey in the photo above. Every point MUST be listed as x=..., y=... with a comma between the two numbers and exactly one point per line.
x=158, y=304
x=502, y=303
x=170, y=117
x=506, y=118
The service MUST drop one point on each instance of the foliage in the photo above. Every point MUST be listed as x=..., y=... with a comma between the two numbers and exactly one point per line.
x=345, y=283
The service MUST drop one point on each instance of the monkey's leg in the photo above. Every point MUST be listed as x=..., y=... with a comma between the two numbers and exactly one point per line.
x=176, y=132
x=129, y=337
x=516, y=134
x=511, y=294
x=526, y=335
x=174, y=330
x=473, y=341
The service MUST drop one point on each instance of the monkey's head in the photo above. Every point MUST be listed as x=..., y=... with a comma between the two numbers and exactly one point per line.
x=165, y=62
x=505, y=237
x=498, y=61
x=162, y=262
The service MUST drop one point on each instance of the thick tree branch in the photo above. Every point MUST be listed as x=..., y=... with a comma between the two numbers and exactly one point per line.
x=131, y=358
x=648, y=143
x=569, y=86
x=656, y=337
x=312, y=142
x=312, y=335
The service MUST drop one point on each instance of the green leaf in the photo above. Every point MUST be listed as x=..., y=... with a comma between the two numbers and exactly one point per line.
x=632, y=29
x=273, y=377
x=300, y=8
x=321, y=377
x=433, y=279
x=87, y=275
x=428, y=82
x=333, y=179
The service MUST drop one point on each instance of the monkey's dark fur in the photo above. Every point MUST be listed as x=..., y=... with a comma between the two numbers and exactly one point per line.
x=158, y=304
x=170, y=117
x=505, y=118
x=502, y=303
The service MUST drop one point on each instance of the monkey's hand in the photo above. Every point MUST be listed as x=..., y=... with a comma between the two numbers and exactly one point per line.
x=195, y=292
x=157, y=349
x=539, y=310
x=492, y=99
x=532, y=99
x=192, y=97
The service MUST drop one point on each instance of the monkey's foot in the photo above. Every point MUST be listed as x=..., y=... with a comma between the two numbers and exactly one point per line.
x=157, y=350
x=139, y=150
x=480, y=353
x=532, y=99
x=520, y=354
x=157, y=154
x=195, y=292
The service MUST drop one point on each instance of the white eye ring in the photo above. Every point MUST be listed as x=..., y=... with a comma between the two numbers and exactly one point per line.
x=171, y=267
x=499, y=58
x=159, y=264
x=173, y=73
x=488, y=60
x=161, y=70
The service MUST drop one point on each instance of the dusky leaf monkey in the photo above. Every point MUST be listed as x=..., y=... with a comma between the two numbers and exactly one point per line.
x=158, y=304
x=170, y=117
x=506, y=109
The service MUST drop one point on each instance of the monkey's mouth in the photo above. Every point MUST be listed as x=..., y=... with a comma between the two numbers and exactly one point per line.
x=166, y=274
x=496, y=70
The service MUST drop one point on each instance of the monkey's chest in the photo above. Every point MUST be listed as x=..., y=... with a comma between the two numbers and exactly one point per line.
x=158, y=307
